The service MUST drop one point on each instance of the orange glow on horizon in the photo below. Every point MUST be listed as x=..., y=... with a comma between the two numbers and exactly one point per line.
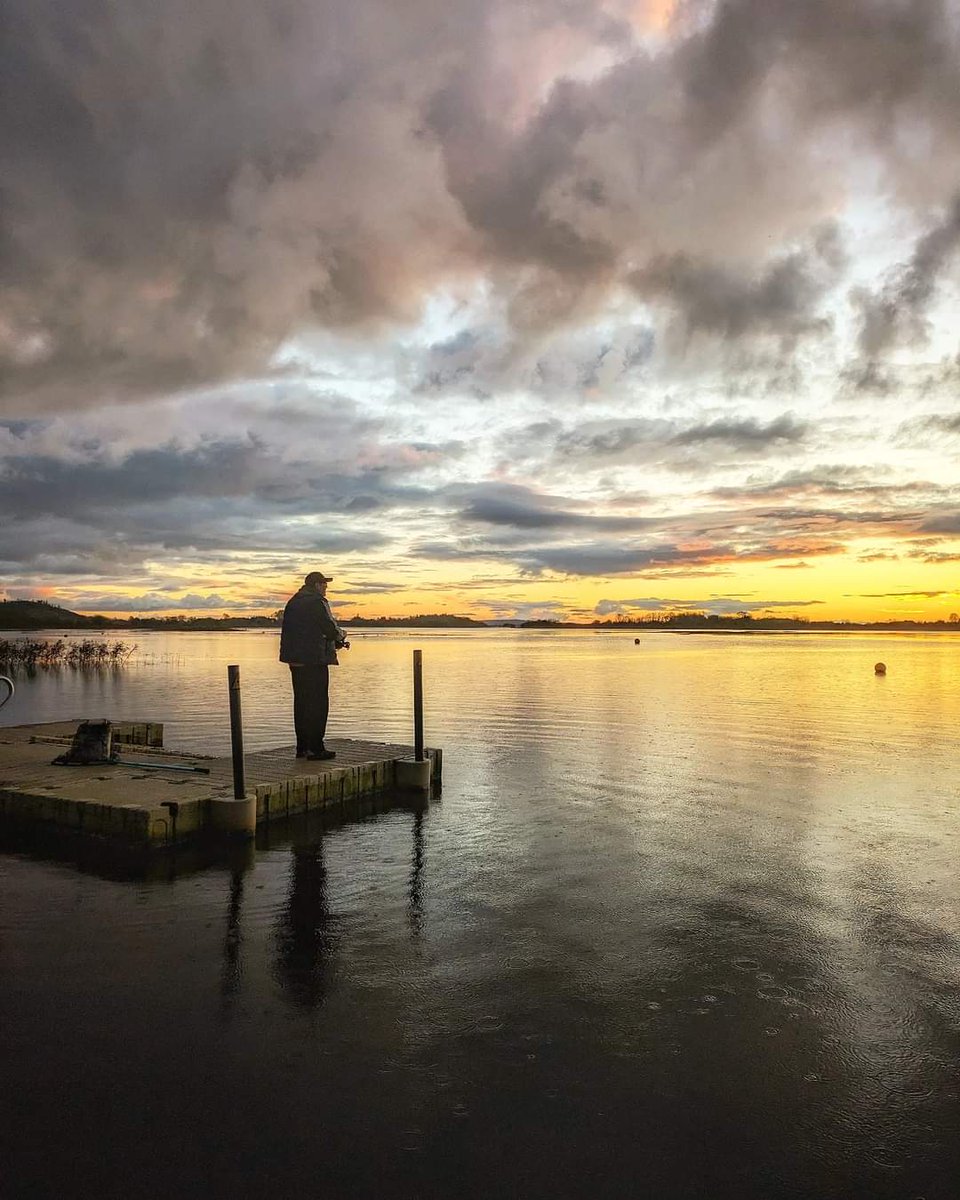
x=837, y=587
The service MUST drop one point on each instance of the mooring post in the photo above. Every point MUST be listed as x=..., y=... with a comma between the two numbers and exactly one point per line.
x=418, y=705
x=413, y=774
x=236, y=733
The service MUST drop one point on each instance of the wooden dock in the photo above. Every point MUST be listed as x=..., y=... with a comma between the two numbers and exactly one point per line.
x=155, y=808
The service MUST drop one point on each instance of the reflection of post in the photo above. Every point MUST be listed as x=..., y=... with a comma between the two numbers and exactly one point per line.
x=416, y=875
x=230, y=980
x=304, y=934
x=231, y=975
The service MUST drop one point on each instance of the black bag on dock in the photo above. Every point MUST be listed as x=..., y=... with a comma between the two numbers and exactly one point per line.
x=92, y=743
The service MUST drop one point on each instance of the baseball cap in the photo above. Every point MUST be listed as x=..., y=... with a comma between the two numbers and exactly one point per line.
x=317, y=577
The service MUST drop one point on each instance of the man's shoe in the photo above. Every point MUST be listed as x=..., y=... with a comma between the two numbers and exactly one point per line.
x=321, y=755
x=301, y=753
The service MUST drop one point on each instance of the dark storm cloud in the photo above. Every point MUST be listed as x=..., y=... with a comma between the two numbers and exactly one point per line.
x=88, y=508
x=782, y=299
x=151, y=485
x=105, y=545
x=898, y=311
x=36, y=486
x=522, y=508
x=291, y=459
x=675, y=444
x=617, y=558
x=185, y=184
x=947, y=523
x=746, y=434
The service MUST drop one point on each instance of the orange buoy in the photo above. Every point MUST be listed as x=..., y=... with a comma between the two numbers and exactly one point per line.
x=879, y=668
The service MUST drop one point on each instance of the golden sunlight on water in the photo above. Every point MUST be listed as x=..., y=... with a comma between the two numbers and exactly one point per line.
x=686, y=912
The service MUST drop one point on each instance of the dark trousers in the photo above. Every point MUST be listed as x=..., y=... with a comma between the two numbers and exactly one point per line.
x=311, y=705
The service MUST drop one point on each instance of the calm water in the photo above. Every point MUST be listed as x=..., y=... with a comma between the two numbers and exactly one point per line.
x=685, y=923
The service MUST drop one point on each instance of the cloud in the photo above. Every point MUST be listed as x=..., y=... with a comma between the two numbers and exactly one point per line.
x=744, y=434
x=522, y=508
x=553, y=286
x=373, y=587
x=837, y=481
x=676, y=444
x=622, y=557
x=161, y=602
x=912, y=595
x=482, y=361
x=285, y=469
x=719, y=605
x=947, y=522
x=896, y=312
x=948, y=423
x=185, y=191
x=781, y=299
x=934, y=557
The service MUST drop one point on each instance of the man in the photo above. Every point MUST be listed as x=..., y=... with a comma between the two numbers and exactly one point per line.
x=309, y=641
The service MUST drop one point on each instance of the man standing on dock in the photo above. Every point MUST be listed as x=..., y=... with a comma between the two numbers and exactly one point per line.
x=309, y=641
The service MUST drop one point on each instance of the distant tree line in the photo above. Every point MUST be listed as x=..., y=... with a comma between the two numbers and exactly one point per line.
x=39, y=614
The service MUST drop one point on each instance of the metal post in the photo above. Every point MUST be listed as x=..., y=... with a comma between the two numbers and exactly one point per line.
x=236, y=733
x=418, y=705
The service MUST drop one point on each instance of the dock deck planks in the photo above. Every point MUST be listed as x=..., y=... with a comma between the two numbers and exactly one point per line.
x=158, y=808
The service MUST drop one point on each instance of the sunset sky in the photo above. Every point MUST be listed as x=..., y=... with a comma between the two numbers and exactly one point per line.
x=557, y=309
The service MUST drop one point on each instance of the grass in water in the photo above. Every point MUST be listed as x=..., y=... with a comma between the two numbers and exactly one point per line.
x=30, y=653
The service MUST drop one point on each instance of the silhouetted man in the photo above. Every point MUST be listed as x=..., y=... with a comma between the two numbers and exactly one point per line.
x=309, y=641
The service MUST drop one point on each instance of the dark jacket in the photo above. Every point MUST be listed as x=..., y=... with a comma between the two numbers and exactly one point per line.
x=309, y=634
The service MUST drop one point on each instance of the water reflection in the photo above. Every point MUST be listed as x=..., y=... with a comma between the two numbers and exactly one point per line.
x=415, y=892
x=232, y=966
x=700, y=942
x=307, y=935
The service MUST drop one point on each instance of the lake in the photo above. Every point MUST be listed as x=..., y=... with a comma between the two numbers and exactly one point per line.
x=685, y=922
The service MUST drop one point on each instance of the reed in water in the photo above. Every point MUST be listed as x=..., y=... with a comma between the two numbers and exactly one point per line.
x=30, y=653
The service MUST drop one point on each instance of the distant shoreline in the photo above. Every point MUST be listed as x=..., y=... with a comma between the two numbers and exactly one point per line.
x=35, y=616
x=387, y=627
